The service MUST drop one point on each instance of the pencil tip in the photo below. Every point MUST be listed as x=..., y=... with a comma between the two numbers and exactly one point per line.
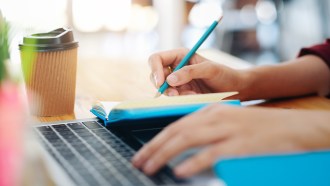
x=157, y=95
x=220, y=18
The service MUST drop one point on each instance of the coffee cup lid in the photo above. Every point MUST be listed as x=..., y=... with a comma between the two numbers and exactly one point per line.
x=59, y=39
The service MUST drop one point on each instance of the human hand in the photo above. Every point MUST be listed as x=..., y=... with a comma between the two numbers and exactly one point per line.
x=227, y=131
x=199, y=76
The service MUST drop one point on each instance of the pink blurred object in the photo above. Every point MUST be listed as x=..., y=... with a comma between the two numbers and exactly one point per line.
x=11, y=134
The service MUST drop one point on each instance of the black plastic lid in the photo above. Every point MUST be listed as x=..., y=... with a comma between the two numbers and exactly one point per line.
x=59, y=39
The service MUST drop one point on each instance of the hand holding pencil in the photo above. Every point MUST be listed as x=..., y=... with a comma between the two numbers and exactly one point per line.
x=197, y=76
x=185, y=60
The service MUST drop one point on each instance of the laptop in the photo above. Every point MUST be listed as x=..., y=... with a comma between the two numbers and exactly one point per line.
x=84, y=152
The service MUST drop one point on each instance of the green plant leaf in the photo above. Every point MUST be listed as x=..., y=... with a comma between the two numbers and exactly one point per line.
x=4, y=47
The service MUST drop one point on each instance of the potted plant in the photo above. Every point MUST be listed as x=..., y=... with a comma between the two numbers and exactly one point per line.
x=4, y=48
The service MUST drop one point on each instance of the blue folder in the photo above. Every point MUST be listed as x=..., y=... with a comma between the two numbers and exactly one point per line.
x=300, y=169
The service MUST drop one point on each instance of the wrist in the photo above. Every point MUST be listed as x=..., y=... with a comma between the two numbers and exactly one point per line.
x=248, y=78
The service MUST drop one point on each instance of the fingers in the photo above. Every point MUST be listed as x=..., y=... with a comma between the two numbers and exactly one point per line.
x=157, y=75
x=160, y=60
x=167, y=58
x=155, y=80
x=184, y=75
x=172, y=92
x=181, y=90
x=178, y=137
x=178, y=144
x=147, y=150
x=206, y=158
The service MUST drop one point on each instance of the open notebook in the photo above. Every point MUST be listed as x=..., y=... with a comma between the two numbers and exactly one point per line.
x=156, y=108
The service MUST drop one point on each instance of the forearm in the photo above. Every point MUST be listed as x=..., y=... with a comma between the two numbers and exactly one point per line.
x=316, y=127
x=302, y=76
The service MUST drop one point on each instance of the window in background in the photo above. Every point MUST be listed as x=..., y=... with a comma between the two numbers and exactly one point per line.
x=94, y=15
x=37, y=15
x=253, y=30
x=104, y=28
x=200, y=17
x=112, y=28
x=112, y=15
x=260, y=31
x=302, y=24
x=264, y=31
x=26, y=17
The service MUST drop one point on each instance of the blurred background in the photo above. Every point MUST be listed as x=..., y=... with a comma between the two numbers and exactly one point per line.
x=259, y=31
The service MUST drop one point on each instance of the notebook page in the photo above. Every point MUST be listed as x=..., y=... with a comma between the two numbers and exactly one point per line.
x=175, y=100
x=108, y=106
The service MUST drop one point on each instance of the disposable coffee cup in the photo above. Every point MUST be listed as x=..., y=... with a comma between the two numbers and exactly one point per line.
x=49, y=65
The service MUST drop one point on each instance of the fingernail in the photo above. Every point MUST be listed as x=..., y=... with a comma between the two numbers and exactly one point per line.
x=136, y=160
x=172, y=78
x=149, y=168
x=155, y=79
x=181, y=170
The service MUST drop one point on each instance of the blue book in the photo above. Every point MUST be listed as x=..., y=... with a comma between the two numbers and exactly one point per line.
x=163, y=109
x=303, y=169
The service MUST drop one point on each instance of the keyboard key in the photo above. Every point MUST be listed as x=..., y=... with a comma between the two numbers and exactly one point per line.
x=81, y=149
x=69, y=141
x=82, y=131
x=48, y=133
x=108, y=138
x=88, y=177
x=110, y=158
x=108, y=175
x=103, y=133
x=100, y=131
x=76, y=126
x=71, y=137
x=90, y=138
x=97, y=146
x=76, y=163
x=78, y=143
x=60, y=127
x=72, y=140
x=45, y=129
x=56, y=141
x=92, y=125
x=52, y=137
x=85, y=134
x=63, y=149
x=87, y=154
x=66, y=133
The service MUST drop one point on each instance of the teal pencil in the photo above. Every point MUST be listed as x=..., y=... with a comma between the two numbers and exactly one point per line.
x=186, y=59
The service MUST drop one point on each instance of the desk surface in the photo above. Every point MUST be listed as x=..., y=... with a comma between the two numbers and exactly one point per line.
x=128, y=79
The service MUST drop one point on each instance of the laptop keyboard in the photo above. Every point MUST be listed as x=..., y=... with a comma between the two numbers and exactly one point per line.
x=92, y=155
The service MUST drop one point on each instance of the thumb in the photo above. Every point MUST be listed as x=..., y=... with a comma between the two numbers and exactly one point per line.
x=184, y=75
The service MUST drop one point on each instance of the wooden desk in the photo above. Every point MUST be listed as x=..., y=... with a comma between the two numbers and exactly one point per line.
x=125, y=79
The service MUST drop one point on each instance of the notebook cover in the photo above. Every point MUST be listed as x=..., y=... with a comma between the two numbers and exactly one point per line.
x=303, y=169
x=127, y=116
